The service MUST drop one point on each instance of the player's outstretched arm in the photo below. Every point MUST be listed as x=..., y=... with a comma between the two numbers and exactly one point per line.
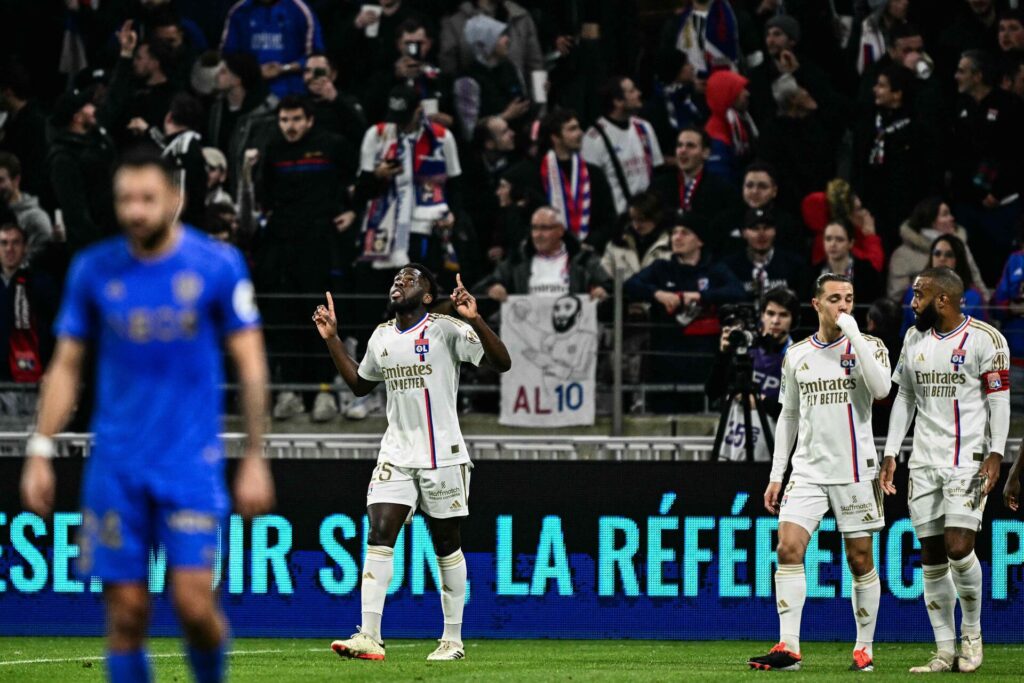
x=58, y=394
x=254, y=485
x=1011, y=491
x=495, y=353
x=327, y=325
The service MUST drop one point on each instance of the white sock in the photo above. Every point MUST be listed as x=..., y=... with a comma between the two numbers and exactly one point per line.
x=453, y=593
x=790, y=595
x=867, y=592
x=377, y=571
x=940, y=600
x=967, y=579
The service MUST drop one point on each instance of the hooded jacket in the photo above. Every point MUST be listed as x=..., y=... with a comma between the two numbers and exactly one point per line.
x=34, y=221
x=621, y=254
x=523, y=50
x=732, y=133
x=911, y=257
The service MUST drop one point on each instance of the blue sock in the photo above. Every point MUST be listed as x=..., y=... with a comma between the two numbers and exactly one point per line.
x=129, y=667
x=207, y=665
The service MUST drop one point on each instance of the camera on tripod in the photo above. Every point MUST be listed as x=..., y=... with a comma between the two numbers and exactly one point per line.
x=745, y=319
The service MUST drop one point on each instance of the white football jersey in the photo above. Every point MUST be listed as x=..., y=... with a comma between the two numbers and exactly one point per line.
x=950, y=375
x=835, y=444
x=420, y=369
x=638, y=151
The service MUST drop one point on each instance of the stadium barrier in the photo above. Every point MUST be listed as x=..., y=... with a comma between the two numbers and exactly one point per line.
x=556, y=549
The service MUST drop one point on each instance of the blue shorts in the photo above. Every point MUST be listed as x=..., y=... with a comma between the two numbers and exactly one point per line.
x=129, y=509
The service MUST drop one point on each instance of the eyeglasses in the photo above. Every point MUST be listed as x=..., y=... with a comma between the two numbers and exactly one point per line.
x=943, y=254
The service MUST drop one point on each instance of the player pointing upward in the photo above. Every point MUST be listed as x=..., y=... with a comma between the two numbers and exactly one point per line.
x=829, y=382
x=423, y=458
x=954, y=371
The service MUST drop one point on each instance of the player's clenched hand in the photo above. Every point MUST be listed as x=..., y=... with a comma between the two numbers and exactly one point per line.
x=771, y=497
x=990, y=471
x=325, y=320
x=38, y=484
x=847, y=324
x=885, y=475
x=254, y=487
x=1011, y=493
x=463, y=301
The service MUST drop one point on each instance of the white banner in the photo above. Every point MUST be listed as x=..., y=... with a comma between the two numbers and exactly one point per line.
x=553, y=344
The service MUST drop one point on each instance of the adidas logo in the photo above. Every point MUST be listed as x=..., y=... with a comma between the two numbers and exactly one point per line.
x=456, y=505
x=919, y=358
x=803, y=367
x=934, y=606
x=867, y=518
x=445, y=588
x=370, y=576
x=783, y=604
x=862, y=613
x=968, y=598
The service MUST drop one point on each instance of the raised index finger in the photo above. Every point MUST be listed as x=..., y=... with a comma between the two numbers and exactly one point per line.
x=458, y=279
x=330, y=303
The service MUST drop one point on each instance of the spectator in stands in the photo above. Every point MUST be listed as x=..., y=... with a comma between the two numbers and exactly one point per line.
x=151, y=100
x=643, y=240
x=576, y=189
x=491, y=152
x=907, y=49
x=166, y=26
x=523, y=46
x=707, y=32
x=683, y=291
x=893, y=154
x=692, y=189
x=731, y=129
x=281, y=34
x=244, y=115
x=623, y=145
x=975, y=27
x=81, y=163
x=183, y=147
x=34, y=222
x=876, y=28
x=838, y=238
x=367, y=41
x=986, y=161
x=1013, y=76
x=674, y=104
x=338, y=112
x=1011, y=31
x=23, y=131
x=760, y=190
x=762, y=265
x=216, y=174
x=303, y=189
x=412, y=66
x=550, y=263
x=27, y=310
x=931, y=218
x=1008, y=300
x=839, y=202
x=949, y=252
x=490, y=85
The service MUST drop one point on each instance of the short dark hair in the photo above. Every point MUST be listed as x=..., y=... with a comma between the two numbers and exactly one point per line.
x=901, y=79
x=782, y=296
x=1010, y=14
x=552, y=125
x=289, y=102
x=705, y=139
x=187, y=111
x=326, y=57
x=411, y=25
x=161, y=52
x=428, y=275
x=946, y=280
x=11, y=163
x=165, y=16
x=9, y=221
x=903, y=30
x=610, y=91
x=846, y=224
x=143, y=156
x=983, y=63
x=245, y=66
x=17, y=78
x=819, y=284
x=648, y=204
x=759, y=166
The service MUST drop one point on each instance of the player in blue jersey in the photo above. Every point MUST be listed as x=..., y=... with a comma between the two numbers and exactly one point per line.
x=155, y=304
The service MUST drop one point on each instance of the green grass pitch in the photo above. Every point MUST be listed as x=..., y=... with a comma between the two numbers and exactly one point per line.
x=280, y=660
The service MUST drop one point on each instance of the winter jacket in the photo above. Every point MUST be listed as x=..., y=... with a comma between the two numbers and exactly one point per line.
x=723, y=88
x=253, y=129
x=81, y=168
x=523, y=49
x=34, y=221
x=1011, y=290
x=911, y=257
x=621, y=254
x=585, y=271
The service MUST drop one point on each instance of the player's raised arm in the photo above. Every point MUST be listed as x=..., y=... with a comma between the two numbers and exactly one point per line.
x=254, y=485
x=874, y=366
x=58, y=394
x=495, y=353
x=327, y=325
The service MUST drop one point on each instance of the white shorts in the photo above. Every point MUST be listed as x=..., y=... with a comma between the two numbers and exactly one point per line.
x=942, y=497
x=857, y=507
x=441, y=492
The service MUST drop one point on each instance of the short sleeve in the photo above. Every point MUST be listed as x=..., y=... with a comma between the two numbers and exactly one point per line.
x=369, y=368
x=901, y=373
x=77, y=317
x=789, y=396
x=465, y=344
x=236, y=300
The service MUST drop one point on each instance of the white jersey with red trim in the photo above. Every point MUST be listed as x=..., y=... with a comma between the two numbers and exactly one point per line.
x=835, y=444
x=950, y=376
x=420, y=368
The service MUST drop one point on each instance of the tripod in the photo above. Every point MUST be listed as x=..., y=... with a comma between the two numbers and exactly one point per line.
x=740, y=383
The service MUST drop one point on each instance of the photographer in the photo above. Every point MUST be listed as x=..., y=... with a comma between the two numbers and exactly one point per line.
x=754, y=351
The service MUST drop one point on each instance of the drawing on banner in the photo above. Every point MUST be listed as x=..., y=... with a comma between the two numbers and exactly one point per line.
x=553, y=342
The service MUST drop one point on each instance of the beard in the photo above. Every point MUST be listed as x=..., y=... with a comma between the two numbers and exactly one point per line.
x=403, y=305
x=926, y=319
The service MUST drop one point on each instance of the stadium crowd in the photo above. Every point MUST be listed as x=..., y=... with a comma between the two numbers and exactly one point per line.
x=711, y=150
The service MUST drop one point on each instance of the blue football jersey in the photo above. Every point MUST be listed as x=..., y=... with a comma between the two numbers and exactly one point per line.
x=157, y=326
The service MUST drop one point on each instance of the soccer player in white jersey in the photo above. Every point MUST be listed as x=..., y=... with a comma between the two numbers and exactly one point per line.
x=829, y=382
x=954, y=371
x=423, y=458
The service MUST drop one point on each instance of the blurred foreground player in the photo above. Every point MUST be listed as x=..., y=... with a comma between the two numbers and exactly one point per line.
x=155, y=304
x=423, y=458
